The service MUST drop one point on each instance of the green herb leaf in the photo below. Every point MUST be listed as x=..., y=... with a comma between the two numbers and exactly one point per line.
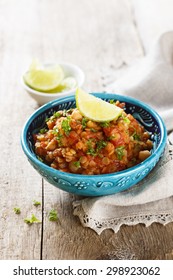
x=36, y=203
x=55, y=131
x=56, y=115
x=136, y=136
x=84, y=122
x=120, y=152
x=105, y=124
x=112, y=101
x=59, y=138
x=43, y=130
x=32, y=220
x=17, y=210
x=125, y=119
x=66, y=125
x=53, y=215
x=101, y=144
x=77, y=163
x=93, y=129
x=91, y=151
x=110, y=137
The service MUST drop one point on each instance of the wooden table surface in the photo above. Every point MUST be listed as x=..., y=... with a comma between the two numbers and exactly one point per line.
x=101, y=37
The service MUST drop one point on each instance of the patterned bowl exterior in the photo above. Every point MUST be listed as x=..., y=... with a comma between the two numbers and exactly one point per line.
x=96, y=185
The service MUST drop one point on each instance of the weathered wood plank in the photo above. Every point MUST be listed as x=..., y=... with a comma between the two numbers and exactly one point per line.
x=19, y=183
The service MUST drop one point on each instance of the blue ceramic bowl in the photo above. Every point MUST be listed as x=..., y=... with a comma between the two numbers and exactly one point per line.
x=96, y=185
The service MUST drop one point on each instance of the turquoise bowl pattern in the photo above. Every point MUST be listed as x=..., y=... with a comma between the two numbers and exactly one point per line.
x=96, y=185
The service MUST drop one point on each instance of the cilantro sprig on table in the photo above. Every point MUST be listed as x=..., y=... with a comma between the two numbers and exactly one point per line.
x=53, y=215
x=17, y=210
x=32, y=220
x=36, y=203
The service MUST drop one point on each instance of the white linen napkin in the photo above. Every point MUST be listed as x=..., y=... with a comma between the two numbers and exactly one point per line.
x=151, y=200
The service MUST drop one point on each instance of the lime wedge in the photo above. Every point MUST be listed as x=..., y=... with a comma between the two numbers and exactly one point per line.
x=66, y=84
x=44, y=79
x=95, y=108
x=69, y=82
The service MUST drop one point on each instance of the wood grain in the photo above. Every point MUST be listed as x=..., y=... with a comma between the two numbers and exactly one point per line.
x=100, y=36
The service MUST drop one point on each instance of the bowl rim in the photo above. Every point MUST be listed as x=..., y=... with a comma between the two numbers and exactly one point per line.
x=76, y=68
x=105, y=95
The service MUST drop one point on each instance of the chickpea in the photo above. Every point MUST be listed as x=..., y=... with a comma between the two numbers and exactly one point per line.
x=76, y=115
x=52, y=145
x=83, y=159
x=146, y=135
x=73, y=168
x=63, y=165
x=57, y=152
x=144, y=154
x=91, y=124
x=92, y=163
x=105, y=161
x=149, y=144
x=79, y=145
x=110, y=148
x=59, y=159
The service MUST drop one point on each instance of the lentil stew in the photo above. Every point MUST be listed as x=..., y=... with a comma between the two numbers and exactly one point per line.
x=72, y=143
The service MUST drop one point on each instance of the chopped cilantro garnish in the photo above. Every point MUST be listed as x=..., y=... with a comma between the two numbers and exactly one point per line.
x=16, y=210
x=36, y=203
x=104, y=124
x=112, y=101
x=58, y=135
x=110, y=137
x=64, y=113
x=101, y=144
x=55, y=131
x=84, y=122
x=32, y=220
x=59, y=138
x=66, y=125
x=93, y=129
x=91, y=151
x=47, y=119
x=43, y=130
x=136, y=136
x=53, y=215
x=77, y=163
x=120, y=152
x=125, y=119
x=56, y=115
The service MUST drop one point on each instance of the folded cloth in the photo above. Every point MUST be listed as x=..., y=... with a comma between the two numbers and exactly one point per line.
x=151, y=200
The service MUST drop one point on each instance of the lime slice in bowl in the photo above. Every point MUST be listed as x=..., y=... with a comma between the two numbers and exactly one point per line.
x=95, y=108
x=69, y=82
x=44, y=79
x=65, y=85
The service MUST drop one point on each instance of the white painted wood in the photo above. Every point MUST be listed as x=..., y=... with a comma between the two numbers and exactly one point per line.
x=152, y=17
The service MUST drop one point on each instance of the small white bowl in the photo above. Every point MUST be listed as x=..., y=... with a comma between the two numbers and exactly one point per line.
x=69, y=70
